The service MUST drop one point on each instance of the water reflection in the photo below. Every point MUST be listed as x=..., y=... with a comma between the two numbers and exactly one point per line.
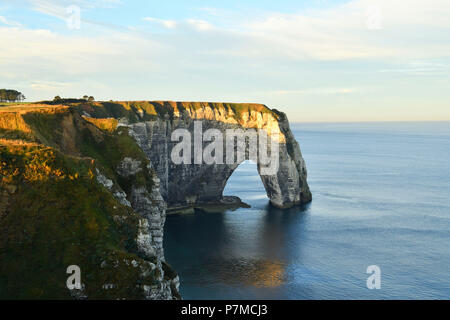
x=280, y=233
x=251, y=247
x=240, y=272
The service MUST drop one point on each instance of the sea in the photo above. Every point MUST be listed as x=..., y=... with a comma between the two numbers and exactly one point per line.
x=378, y=226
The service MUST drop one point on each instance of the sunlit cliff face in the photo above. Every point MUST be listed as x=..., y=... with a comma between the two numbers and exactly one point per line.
x=258, y=118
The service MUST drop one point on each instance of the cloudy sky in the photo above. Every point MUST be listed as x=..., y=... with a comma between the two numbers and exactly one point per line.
x=317, y=60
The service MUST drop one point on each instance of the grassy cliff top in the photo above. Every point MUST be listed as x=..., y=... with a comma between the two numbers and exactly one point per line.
x=31, y=107
x=135, y=111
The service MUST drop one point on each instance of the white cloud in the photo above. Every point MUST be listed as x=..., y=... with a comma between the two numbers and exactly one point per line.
x=341, y=32
x=50, y=8
x=315, y=91
x=210, y=11
x=48, y=85
x=63, y=9
x=9, y=22
x=420, y=68
x=200, y=25
x=42, y=63
x=42, y=53
x=87, y=4
x=169, y=24
x=337, y=33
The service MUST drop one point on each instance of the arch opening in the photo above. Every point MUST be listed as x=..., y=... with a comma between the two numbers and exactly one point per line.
x=245, y=182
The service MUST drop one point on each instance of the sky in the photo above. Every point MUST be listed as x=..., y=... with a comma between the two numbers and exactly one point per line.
x=316, y=60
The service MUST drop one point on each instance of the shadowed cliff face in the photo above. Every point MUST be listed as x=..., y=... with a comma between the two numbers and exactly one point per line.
x=184, y=185
x=78, y=191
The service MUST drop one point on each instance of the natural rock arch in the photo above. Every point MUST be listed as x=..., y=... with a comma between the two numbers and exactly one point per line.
x=190, y=185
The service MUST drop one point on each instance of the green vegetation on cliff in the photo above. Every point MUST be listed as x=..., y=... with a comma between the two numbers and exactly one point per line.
x=134, y=111
x=54, y=213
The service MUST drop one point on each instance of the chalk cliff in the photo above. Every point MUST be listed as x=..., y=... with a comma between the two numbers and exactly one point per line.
x=90, y=183
x=196, y=184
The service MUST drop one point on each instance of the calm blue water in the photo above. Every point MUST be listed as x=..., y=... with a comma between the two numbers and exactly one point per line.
x=381, y=197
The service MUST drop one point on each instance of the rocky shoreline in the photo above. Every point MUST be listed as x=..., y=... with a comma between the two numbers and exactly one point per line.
x=226, y=203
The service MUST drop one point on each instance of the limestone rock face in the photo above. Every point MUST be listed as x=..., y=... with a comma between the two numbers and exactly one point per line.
x=289, y=186
x=129, y=167
x=184, y=185
x=152, y=208
x=116, y=191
